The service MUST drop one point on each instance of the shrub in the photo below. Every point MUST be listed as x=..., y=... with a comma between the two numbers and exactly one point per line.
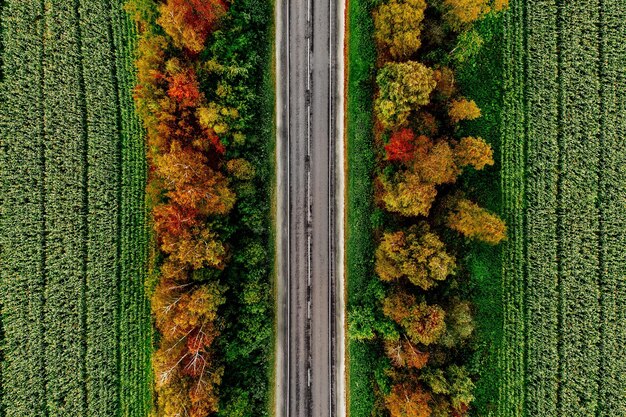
x=473, y=151
x=463, y=109
x=475, y=222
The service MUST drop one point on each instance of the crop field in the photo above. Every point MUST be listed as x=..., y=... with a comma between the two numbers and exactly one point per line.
x=563, y=170
x=75, y=321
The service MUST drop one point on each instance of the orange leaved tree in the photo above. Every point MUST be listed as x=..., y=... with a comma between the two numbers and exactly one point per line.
x=475, y=222
x=189, y=22
x=417, y=255
x=408, y=400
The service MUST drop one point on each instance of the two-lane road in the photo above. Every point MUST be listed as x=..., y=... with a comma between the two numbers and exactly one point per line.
x=310, y=332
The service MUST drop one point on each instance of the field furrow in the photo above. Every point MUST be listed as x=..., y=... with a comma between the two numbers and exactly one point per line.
x=578, y=208
x=102, y=277
x=22, y=240
x=612, y=396
x=541, y=262
x=134, y=313
x=66, y=212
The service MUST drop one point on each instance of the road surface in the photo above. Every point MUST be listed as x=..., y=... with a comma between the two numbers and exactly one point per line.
x=310, y=290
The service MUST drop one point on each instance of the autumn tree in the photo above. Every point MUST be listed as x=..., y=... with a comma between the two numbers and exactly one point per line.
x=403, y=87
x=401, y=146
x=411, y=192
x=174, y=220
x=459, y=323
x=468, y=45
x=500, y=5
x=398, y=26
x=475, y=222
x=434, y=162
x=192, y=183
x=408, y=400
x=184, y=88
x=451, y=389
x=407, y=194
x=423, y=323
x=463, y=109
x=189, y=22
x=150, y=88
x=461, y=388
x=446, y=84
x=397, y=306
x=404, y=354
x=462, y=13
x=185, y=368
x=240, y=169
x=178, y=394
x=217, y=118
x=201, y=248
x=473, y=151
x=417, y=255
x=183, y=310
x=426, y=324
x=203, y=392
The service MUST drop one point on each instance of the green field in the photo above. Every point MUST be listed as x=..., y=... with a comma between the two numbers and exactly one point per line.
x=73, y=236
x=551, y=339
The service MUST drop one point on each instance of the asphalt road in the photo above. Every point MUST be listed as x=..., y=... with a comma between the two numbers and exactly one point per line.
x=310, y=336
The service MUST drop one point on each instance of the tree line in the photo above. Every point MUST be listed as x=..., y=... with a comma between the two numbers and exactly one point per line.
x=198, y=79
x=421, y=317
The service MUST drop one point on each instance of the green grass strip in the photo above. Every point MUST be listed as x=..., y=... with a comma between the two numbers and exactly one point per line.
x=135, y=327
x=481, y=79
x=359, y=236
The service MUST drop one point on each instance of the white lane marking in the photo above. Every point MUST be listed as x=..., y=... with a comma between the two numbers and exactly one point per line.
x=330, y=222
x=339, y=215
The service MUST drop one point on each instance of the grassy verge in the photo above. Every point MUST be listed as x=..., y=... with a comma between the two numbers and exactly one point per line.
x=480, y=78
x=359, y=229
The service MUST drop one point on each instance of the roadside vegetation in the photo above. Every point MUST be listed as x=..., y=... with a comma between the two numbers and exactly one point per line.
x=206, y=101
x=361, y=56
x=411, y=328
x=76, y=324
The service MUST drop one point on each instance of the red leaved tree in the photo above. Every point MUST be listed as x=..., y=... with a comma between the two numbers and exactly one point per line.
x=184, y=88
x=401, y=146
